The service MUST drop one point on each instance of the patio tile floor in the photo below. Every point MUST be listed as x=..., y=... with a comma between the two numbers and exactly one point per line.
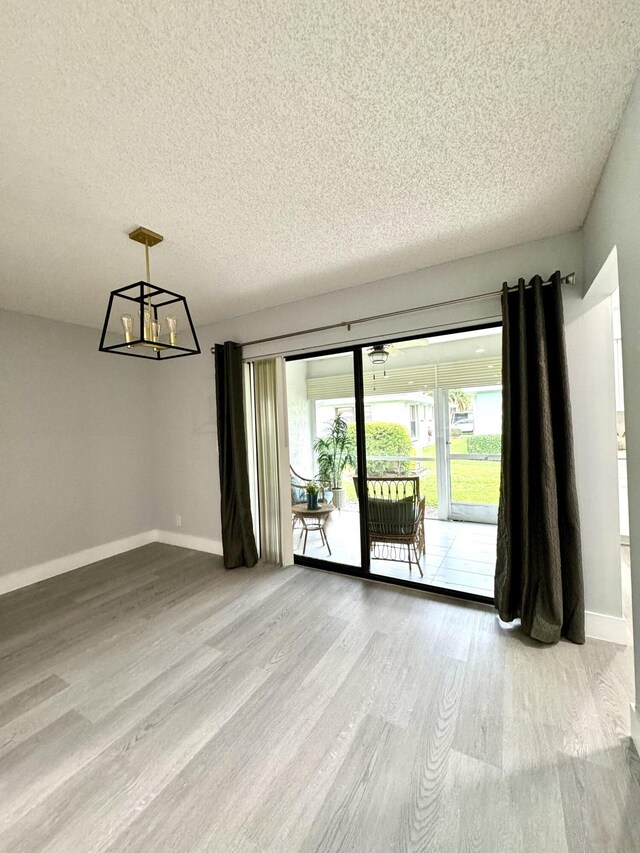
x=459, y=555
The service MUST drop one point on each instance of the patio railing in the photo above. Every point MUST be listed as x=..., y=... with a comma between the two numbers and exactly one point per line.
x=493, y=457
x=468, y=485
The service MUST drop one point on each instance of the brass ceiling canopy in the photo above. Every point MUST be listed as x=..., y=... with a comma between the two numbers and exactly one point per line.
x=146, y=237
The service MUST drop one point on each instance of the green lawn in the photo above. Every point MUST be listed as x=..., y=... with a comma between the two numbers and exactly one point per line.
x=472, y=480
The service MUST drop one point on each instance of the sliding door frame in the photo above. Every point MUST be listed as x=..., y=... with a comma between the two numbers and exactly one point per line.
x=361, y=454
x=364, y=570
x=361, y=571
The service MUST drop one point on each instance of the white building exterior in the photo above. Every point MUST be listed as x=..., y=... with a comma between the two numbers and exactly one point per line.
x=412, y=411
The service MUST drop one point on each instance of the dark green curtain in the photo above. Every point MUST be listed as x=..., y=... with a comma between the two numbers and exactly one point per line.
x=539, y=562
x=238, y=541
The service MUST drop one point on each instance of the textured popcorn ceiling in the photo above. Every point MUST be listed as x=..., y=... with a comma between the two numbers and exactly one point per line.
x=289, y=148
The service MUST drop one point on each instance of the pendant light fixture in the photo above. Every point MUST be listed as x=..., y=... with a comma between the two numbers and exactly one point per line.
x=378, y=354
x=147, y=321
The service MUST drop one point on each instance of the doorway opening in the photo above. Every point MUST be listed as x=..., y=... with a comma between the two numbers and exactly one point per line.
x=621, y=431
x=395, y=452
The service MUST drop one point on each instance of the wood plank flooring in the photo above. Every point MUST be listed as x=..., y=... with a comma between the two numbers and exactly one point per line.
x=156, y=702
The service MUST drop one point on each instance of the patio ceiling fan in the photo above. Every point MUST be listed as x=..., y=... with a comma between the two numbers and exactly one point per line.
x=379, y=353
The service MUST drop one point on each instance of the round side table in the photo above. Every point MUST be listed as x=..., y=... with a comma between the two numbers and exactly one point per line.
x=312, y=520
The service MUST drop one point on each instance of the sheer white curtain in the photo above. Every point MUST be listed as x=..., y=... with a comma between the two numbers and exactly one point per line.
x=268, y=443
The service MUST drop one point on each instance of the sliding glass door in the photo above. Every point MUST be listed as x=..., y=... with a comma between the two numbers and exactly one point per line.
x=402, y=440
x=475, y=447
x=323, y=436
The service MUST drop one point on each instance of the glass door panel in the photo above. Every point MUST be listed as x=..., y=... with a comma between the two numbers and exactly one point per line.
x=421, y=507
x=432, y=436
x=402, y=456
x=321, y=408
x=475, y=454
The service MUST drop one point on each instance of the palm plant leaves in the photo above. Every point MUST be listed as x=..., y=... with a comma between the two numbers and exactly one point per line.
x=335, y=451
x=460, y=400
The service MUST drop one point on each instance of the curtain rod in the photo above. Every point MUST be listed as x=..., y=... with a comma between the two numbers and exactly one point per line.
x=347, y=324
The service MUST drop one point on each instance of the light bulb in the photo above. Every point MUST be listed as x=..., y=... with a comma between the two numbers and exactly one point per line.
x=127, y=325
x=172, y=325
x=147, y=323
x=151, y=325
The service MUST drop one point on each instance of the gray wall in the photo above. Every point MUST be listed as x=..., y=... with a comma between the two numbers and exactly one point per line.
x=589, y=336
x=86, y=461
x=188, y=441
x=614, y=221
x=76, y=442
x=187, y=444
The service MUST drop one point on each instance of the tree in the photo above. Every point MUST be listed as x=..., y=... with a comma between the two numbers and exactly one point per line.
x=459, y=401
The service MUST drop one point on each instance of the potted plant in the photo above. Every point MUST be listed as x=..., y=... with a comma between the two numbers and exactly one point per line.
x=335, y=450
x=312, y=495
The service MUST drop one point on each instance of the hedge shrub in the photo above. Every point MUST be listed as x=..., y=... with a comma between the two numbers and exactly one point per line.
x=386, y=439
x=484, y=444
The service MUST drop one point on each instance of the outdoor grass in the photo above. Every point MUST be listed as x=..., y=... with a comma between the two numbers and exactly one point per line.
x=472, y=480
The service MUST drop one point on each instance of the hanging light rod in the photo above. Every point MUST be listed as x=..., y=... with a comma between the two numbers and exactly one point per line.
x=347, y=324
x=151, y=330
x=148, y=239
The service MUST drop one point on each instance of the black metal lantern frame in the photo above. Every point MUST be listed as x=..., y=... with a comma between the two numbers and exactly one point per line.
x=148, y=303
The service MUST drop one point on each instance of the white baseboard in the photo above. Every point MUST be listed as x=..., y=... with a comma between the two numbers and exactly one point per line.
x=635, y=725
x=600, y=626
x=184, y=540
x=34, y=574
x=61, y=565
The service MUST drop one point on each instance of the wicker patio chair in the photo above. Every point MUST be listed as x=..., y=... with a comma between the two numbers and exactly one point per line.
x=396, y=519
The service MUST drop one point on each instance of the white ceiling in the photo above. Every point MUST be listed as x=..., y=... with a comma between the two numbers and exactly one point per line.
x=287, y=148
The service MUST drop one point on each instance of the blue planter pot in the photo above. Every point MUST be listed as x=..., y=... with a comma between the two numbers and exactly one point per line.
x=312, y=501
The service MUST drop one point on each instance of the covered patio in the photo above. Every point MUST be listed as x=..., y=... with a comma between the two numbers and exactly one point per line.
x=431, y=414
x=459, y=555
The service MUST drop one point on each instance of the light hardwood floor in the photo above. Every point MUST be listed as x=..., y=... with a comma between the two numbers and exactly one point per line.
x=155, y=702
